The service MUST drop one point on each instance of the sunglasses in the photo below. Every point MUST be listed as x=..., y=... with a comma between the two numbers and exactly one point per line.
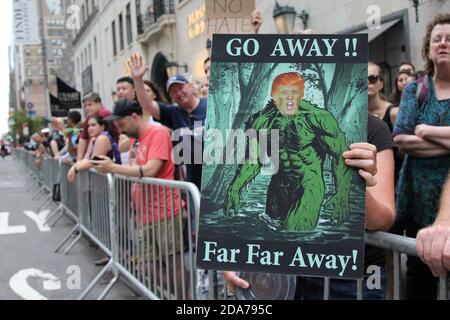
x=373, y=79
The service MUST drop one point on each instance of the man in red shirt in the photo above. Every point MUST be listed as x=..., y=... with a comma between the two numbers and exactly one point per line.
x=150, y=156
x=93, y=106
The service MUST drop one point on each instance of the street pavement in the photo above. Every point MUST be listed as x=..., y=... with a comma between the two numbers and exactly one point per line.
x=29, y=268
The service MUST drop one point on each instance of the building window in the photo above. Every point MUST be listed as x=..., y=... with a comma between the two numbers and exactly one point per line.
x=129, y=25
x=139, y=18
x=121, y=39
x=87, y=13
x=113, y=32
x=95, y=47
x=90, y=54
x=83, y=15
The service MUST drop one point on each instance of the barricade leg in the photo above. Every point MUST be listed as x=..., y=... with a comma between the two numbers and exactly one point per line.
x=47, y=201
x=33, y=185
x=130, y=286
x=42, y=195
x=39, y=194
x=110, y=285
x=96, y=281
x=77, y=228
x=74, y=242
x=37, y=190
x=443, y=288
x=396, y=275
x=53, y=214
x=58, y=218
x=33, y=188
x=326, y=289
x=360, y=289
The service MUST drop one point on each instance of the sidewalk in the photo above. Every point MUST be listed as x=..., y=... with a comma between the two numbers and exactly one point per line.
x=29, y=268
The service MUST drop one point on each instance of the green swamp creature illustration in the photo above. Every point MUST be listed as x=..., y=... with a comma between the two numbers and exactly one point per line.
x=307, y=135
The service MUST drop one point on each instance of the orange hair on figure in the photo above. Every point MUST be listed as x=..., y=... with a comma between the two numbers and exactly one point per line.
x=288, y=79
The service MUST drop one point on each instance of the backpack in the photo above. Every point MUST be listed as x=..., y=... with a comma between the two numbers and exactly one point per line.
x=423, y=85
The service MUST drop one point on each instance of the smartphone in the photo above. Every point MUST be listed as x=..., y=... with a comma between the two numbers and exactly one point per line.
x=96, y=159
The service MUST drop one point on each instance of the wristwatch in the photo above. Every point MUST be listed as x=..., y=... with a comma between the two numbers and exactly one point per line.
x=75, y=168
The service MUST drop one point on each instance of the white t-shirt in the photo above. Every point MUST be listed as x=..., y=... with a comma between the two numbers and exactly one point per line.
x=153, y=122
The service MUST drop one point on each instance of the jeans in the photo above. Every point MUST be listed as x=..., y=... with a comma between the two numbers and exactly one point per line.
x=340, y=289
x=420, y=282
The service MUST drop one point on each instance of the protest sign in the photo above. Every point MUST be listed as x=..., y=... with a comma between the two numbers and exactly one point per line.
x=229, y=16
x=277, y=196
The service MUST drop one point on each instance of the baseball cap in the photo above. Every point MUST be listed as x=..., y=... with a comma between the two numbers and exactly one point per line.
x=176, y=79
x=124, y=108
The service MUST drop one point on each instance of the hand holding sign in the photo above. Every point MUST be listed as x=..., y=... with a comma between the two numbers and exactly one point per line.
x=256, y=20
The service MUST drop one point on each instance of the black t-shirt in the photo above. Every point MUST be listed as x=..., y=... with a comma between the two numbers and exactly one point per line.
x=55, y=136
x=380, y=136
x=191, y=126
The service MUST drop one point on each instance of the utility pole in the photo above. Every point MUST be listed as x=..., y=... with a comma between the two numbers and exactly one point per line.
x=41, y=5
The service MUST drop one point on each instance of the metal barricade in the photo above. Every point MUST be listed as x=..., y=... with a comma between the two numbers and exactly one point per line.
x=37, y=187
x=152, y=246
x=93, y=211
x=68, y=205
x=25, y=159
x=397, y=245
x=50, y=171
x=145, y=227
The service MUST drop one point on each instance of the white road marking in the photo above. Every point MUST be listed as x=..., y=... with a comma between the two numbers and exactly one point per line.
x=39, y=219
x=6, y=229
x=19, y=283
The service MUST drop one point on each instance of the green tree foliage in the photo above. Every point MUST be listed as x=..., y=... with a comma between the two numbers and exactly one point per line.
x=34, y=125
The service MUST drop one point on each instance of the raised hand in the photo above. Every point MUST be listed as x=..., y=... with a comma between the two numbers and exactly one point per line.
x=137, y=67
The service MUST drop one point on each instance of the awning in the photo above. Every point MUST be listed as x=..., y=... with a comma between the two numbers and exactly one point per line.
x=374, y=33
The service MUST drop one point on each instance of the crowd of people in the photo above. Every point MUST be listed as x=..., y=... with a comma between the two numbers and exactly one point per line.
x=407, y=150
x=417, y=117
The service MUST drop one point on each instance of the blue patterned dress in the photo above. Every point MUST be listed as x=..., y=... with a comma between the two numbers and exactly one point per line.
x=421, y=179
